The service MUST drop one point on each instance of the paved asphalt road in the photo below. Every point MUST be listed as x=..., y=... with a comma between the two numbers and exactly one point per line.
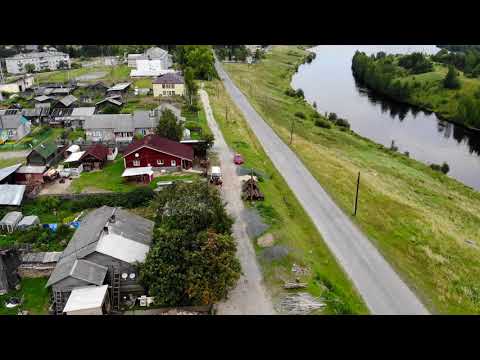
x=381, y=288
x=249, y=297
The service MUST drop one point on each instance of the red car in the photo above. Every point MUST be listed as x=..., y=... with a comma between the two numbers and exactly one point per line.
x=238, y=159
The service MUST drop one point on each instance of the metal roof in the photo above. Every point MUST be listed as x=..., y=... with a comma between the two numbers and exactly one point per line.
x=122, y=122
x=147, y=170
x=169, y=78
x=46, y=149
x=143, y=120
x=78, y=269
x=119, y=247
x=119, y=87
x=83, y=111
x=40, y=54
x=11, y=218
x=68, y=100
x=112, y=100
x=42, y=98
x=31, y=169
x=73, y=148
x=11, y=194
x=29, y=221
x=163, y=145
x=76, y=156
x=9, y=170
x=12, y=121
x=41, y=257
x=84, y=298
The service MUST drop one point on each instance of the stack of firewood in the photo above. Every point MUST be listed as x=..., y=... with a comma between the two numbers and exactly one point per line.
x=251, y=191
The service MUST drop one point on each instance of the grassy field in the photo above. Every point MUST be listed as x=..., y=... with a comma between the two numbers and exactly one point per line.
x=425, y=223
x=35, y=297
x=287, y=220
x=431, y=95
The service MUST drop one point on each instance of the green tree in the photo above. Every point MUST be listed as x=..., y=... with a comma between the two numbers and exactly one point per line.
x=168, y=126
x=29, y=68
x=451, y=80
x=191, y=87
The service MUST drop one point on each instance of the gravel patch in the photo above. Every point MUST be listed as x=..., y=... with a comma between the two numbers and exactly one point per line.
x=276, y=252
x=254, y=223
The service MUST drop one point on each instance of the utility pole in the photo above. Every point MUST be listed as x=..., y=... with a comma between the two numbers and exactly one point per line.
x=356, y=196
x=291, y=131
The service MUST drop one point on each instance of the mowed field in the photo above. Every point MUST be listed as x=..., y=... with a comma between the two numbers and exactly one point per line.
x=426, y=224
x=288, y=223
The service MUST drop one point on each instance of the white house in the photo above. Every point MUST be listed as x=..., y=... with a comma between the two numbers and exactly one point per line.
x=46, y=60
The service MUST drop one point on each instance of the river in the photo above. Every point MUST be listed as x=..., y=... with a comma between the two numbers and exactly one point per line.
x=328, y=81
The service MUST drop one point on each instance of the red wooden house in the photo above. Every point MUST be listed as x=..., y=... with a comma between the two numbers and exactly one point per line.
x=157, y=152
x=95, y=157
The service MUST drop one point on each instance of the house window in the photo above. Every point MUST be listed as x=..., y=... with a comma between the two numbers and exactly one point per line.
x=160, y=162
x=136, y=162
x=163, y=86
x=10, y=132
x=164, y=93
x=173, y=163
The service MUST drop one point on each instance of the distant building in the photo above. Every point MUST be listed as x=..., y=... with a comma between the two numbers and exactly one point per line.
x=20, y=84
x=14, y=127
x=42, y=61
x=156, y=54
x=171, y=84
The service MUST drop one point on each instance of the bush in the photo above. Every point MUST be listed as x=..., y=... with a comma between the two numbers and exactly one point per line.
x=300, y=115
x=342, y=123
x=323, y=123
x=290, y=92
x=332, y=117
x=444, y=168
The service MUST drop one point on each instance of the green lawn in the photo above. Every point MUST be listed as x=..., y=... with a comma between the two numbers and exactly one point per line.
x=287, y=220
x=109, y=179
x=418, y=218
x=35, y=297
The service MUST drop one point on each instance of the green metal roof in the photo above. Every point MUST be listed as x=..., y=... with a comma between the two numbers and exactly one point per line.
x=46, y=149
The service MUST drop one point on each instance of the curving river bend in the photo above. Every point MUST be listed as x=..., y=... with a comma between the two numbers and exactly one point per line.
x=328, y=81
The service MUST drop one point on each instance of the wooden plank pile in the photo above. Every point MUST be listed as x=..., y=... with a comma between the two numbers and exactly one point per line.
x=251, y=191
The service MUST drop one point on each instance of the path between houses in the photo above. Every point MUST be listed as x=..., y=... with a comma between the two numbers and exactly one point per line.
x=381, y=288
x=13, y=154
x=249, y=297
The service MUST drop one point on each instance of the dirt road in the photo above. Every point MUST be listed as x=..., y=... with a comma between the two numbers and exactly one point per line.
x=249, y=296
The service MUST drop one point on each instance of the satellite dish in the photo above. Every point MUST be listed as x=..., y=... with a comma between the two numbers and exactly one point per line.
x=132, y=276
x=124, y=276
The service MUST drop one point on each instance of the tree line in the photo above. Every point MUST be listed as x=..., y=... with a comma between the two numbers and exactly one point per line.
x=467, y=61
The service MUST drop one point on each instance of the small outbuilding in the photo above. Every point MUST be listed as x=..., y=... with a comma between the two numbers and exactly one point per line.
x=28, y=222
x=30, y=174
x=7, y=174
x=11, y=195
x=10, y=221
x=88, y=300
x=139, y=175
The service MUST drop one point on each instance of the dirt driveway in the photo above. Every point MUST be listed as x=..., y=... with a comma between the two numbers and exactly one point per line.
x=249, y=296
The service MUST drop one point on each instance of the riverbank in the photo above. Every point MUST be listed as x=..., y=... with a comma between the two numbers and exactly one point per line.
x=424, y=91
x=295, y=238
x=425, y=223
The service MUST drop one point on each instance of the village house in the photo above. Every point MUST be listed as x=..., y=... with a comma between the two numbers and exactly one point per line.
x=66, y=102
x=158, y=152
x=171, y=84
x=93, y=158
x=153, y=58
x=14, y=127
x=103, y=251
x=45, y=154
x=115, y=101
x=119, y=127
x=18, y=85
x=118, y=89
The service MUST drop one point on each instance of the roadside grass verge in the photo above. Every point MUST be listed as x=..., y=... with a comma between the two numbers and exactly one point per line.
x=35, y=297
x=288, y=222
x=425, y=223
x=11, y=161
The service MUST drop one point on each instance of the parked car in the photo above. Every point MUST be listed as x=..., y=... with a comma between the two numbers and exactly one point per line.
x=238, y=159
